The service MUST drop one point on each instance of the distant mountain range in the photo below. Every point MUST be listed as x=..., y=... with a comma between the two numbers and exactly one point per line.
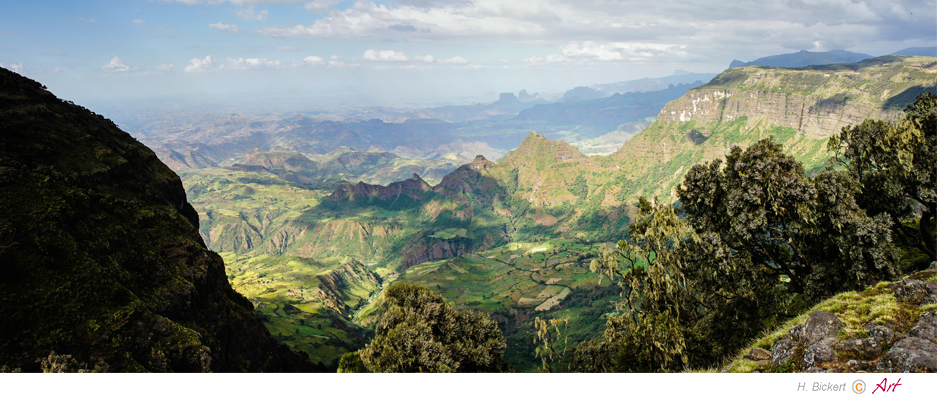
x=804, y=58
x=917, y=51
x=456, y=133
x=679, y=77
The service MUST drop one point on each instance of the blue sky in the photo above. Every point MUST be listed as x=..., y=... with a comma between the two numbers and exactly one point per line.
x=390, y=53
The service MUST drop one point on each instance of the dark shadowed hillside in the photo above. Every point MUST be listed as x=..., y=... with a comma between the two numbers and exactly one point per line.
x=100, y=255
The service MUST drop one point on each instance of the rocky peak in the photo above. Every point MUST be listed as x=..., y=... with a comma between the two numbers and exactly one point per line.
x=480, y=162
x=413, y=187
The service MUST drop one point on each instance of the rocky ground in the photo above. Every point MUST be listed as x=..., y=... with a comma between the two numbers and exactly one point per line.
x=905, y=341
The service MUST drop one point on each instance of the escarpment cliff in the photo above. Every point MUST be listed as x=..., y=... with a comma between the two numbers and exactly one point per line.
x=800, y=108
x=101, y=254
x=415, y=188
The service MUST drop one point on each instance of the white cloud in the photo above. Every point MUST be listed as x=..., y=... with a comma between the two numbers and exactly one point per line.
x=619, y=29
x=337, y=64
x=138, y=21
x=226, y=28
x=248, y=14
x=384, y=55
x=533, y=60
x=321, y=6
x=535, y=43
x=91, y=20
x=365, y=18
x=454, y=60
x=239, y=3
x=116, y=65
x=15, y=67
x=314, y=60
x=250, y=63
x=335, y=58
x=431, y=60
x=199, y=65
x=620, y=51
x=163, y=67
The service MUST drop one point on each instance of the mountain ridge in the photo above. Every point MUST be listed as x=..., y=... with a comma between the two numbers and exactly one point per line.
x=804, y=58
x=102, y=256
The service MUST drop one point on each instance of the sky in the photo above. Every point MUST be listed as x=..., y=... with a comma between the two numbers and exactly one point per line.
x=418, y=51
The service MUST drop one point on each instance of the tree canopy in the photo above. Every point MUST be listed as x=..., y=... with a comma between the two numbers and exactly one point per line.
x=895, y=164
x=420, y=332
x=753, y=241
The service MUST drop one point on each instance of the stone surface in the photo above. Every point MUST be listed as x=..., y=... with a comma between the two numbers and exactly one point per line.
x=881, y=332
x=926, y=327
x=859, y=365
x=865, y=348
x=796, y=333
x=783, y=351
x=910, y=290
x=758, y=354
x=818, y=354
x=911, y=354
x=933, y=266
x=821, y=327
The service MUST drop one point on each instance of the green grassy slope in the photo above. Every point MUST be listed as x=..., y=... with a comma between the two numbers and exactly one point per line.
x=542, y=191
x=517, y=282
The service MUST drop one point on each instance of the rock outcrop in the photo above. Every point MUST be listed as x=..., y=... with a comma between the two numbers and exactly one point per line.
x=822, y=345
x=800, y=108
x=415, y=188
x=101, y=254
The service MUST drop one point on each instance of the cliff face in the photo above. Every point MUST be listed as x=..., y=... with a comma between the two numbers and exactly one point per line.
x=415, y=188
x=101, y=255
x=799, y=107
x=814, y=117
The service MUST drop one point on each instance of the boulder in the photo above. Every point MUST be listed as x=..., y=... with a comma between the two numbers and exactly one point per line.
x=933, y=266
x=758, y=354
x=821, y=327
x=926, y=327
x=884, y=333
x=783, y=351
x=859, y=365
x=910, y=290
x=931, y=293
x=818, y=354
x=864, y=348
x=796, y=333
x=911, y=354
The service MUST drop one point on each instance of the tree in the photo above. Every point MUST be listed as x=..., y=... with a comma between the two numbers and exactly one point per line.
x=760, y=241
x=894, y=164
x=658, y=313
x=549, y=350
x=767, y=227
x=420, y=332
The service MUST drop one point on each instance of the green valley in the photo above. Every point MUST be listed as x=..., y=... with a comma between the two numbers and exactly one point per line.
x=511, y=237
x=425, y=186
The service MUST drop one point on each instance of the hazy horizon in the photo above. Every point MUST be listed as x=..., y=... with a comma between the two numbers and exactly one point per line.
x=300, y=53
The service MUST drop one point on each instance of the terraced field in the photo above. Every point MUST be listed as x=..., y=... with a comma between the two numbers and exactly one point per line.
x=306, y=303
x=517, y=282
